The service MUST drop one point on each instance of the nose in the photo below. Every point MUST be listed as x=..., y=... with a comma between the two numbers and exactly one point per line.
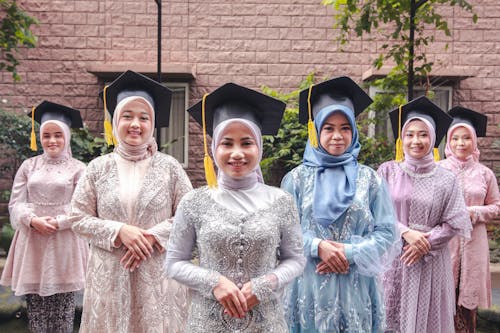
x=236, y=154
x=135, y=122
x=336, y=135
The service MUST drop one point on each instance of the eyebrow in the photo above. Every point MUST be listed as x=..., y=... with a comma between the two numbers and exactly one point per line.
x=331, y=124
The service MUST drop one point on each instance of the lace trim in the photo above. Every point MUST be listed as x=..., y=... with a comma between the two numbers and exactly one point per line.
x=418, y=175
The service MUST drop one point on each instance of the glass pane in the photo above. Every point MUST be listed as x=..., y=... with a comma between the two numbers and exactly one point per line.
x=173, y=138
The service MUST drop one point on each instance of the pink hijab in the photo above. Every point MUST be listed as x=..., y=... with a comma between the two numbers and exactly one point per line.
x=130, y=152
x=426, y=163
x=66, y=152
x=252, y=178
x=475, y=150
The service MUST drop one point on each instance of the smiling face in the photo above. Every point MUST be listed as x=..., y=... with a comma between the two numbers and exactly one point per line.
x=52, y=140
x=237, y=153
x=416, y=139
x=336, y=134
x=461, y=143
x=135, y=123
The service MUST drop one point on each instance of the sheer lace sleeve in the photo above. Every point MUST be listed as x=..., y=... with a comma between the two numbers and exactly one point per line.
x=21, y=211
x=87, y=224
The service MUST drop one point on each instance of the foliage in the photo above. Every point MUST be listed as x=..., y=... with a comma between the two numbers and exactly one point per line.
x=14, y=33
x=391, y=19
x=284, y=151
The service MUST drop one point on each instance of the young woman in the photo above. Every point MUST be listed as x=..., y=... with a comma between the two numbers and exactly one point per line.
x=430, y=210
x=46, y=260
x=124, y=205
x=247, y=233
x=471, y=258
x=346, y=216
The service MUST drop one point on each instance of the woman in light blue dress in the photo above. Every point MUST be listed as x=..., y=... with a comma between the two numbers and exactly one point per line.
x=346, y=216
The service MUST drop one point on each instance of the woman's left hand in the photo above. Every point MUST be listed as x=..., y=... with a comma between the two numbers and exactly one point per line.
x=249, y=295
x=411, y=255
x=131, y=262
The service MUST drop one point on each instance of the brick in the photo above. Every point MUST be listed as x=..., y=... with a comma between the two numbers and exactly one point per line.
x=122, y=19
x=122, y=43
x=302, y=45
x=243, y=33
x=219, y=33
x=279, y=45
x=73, y=18
x=97, y=42
x=267, y=9
x=266, y=57
x=133, y=7
x=267, y=33
x=96, y=18
x=291, y=33
x=144, y=19
x=208, y=69
x=86, y=30
x=136, y=32
x=303, y=22
x=208, y=45
x=63, y=54
x=220, y=9
x=290, y=57
x=62, y=30
x=204, y=21
x=73, y=42
x=179, y=8
x=254, y=21
x=243, y=57
x=50, y=18
x=229, y=21
x=86, y=6
x=89, y=55
x=245, y=9
x=278, y=21
x=220, y=57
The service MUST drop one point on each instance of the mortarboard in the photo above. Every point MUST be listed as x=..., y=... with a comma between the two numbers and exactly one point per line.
x=52, y=111
x=421, y=107
x=470, y=117
x=234, y=101
x=129, y=84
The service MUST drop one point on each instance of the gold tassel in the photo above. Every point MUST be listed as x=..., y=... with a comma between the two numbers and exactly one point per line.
x=33, y=135
x=399, y=142
x=207, y=161
x=108, y=128
x=311, y=129
x=436, y=155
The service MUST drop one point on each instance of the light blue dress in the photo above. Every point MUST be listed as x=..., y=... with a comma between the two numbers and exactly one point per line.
x=349, y=302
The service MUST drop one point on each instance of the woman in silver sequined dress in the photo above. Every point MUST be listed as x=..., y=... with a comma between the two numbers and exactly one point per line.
x=246, y=232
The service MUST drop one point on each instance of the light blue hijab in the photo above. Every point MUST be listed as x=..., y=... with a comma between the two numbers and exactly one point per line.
x=335, y=183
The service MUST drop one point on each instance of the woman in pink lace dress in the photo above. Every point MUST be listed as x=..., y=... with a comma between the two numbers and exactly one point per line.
x=419, y=291
x=46, y=260
x=470, y=258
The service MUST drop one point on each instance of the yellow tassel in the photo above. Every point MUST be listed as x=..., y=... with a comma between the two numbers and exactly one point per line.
x=33, y=135
x=210, y=172
x=436, y=155
x=207, y=161
x=311, y=129
x=399, y=142
x=108, y=128
x=108, y=132
x=399, y=150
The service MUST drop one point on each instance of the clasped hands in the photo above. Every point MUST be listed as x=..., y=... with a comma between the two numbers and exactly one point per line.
x=46, y=225
x=236, y=302
x=333, y=258
x=140, y=246
x=417, y=247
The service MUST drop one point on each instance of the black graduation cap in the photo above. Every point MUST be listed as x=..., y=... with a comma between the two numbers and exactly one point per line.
x=53, y=111
x=235, y=101
x=470, y=117
x=335, y=91
x=131, y=83
x=424, y=108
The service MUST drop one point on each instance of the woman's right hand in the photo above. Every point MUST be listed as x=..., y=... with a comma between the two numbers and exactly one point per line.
x=418, y=240
x=333, y=256
x=231, y=297
x=46, y=225
x=135, y=240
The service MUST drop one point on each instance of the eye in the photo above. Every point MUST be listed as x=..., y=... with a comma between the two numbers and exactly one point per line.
x=327, y=128
x=248, y=143
x=346, y=128
x=144, y=118
x=126, y=116
x=225, y=143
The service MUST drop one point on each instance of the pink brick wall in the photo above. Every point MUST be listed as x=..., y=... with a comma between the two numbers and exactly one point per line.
x=266, y=42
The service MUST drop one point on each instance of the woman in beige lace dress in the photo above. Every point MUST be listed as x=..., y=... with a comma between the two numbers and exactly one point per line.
x=124, y=204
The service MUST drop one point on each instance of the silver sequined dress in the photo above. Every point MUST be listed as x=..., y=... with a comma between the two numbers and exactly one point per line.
x=242, y=247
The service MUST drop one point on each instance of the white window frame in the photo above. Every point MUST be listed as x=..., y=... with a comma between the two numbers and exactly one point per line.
x=173, y=86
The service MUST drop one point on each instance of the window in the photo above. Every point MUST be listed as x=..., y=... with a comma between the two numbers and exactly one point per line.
x=173, y=139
